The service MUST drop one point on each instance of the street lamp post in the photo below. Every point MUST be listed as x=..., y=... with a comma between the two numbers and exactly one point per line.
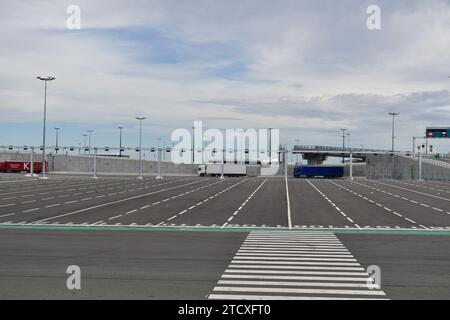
x=393, y=114
x=120, y=141
x=348, y=141
x=45, y=119
x=90, y=131
x=84, y=140
x=193, y=145
x=32, y=162
x=298, y=143
x=343, y=143
x=140, y=146
x=159, y=177
x=56, y=144
x=95, y=164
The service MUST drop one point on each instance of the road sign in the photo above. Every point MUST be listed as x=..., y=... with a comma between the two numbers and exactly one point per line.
x=438, y=133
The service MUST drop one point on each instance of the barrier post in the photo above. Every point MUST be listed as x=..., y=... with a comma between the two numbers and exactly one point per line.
x=32, y=162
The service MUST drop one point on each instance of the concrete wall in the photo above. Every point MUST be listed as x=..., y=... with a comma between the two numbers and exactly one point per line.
x=359, y=169
x=12, y=156
x=403, y=168
x=115, y=165
x=84, y=164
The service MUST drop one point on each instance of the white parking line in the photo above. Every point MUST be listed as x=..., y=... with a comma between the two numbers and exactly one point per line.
x=200, y=203
x=244, y=203
x=410, y=190
x=7, y=205
x=376, y=203
x=115, y=202
x=288, y=203
x=334, y=205
x=397, y=196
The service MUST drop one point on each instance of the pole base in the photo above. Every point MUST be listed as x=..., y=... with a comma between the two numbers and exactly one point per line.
x=159, y=178
x=222, y=178
x=43, y=178
x=31, y=175
x=140, y=178
x=94, y=177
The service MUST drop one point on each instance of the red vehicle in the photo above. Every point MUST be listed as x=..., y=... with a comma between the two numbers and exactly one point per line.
x=20, y=166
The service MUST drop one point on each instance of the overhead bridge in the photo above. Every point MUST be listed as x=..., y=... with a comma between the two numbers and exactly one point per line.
x=316, y=155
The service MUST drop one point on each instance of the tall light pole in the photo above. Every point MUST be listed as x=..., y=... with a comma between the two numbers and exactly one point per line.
x=348, y=140
x=343, y=143
x=193, y=145
x=270, y=146
x=140, y=145
x=45, y=119
x=56, y=144
x=90, y=131
x=159, y=177
x=393, y=114
x=120, y=141
x=84, y=140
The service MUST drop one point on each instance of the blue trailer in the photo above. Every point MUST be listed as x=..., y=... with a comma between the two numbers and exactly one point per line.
x=319, y=171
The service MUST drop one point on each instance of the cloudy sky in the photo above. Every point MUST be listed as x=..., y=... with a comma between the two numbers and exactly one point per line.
x=306, y=67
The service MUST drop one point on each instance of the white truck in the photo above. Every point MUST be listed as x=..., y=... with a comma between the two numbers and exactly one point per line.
x=215, y=169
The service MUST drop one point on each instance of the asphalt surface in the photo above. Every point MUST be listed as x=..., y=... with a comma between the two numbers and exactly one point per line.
x=141, y=239
x=234, y=202
x=189, y=265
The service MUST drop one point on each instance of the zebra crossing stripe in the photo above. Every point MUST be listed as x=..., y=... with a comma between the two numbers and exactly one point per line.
x=297, y=266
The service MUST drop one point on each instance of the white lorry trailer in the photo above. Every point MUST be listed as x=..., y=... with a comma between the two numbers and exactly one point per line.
x=229, y=169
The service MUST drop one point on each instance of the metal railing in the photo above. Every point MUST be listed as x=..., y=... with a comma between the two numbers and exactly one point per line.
x=434, y=162
x=339, y=149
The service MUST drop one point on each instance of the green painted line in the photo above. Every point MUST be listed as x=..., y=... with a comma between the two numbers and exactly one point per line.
x=224, y=230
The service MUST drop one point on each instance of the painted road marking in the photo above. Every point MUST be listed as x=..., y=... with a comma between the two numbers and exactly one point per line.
x=410, y=190
x=8, y=205
x=423, y=187
x=397, y=196
x=298, y=284
x=171, y=198
x=377, y=204
x=334, y=205
x=436, y=231
x=272, y=276
x=288, y=203
x=200, y=203
x=243, y=204
x=115, y=202
x=30, y=210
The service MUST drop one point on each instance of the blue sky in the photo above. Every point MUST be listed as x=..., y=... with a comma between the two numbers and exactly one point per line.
x=306, y=67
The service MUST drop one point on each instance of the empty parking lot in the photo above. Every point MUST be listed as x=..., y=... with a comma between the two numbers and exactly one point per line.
x=231, y=203
x=238, y=238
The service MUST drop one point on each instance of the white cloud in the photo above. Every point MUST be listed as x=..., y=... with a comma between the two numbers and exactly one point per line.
x=299, y=64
